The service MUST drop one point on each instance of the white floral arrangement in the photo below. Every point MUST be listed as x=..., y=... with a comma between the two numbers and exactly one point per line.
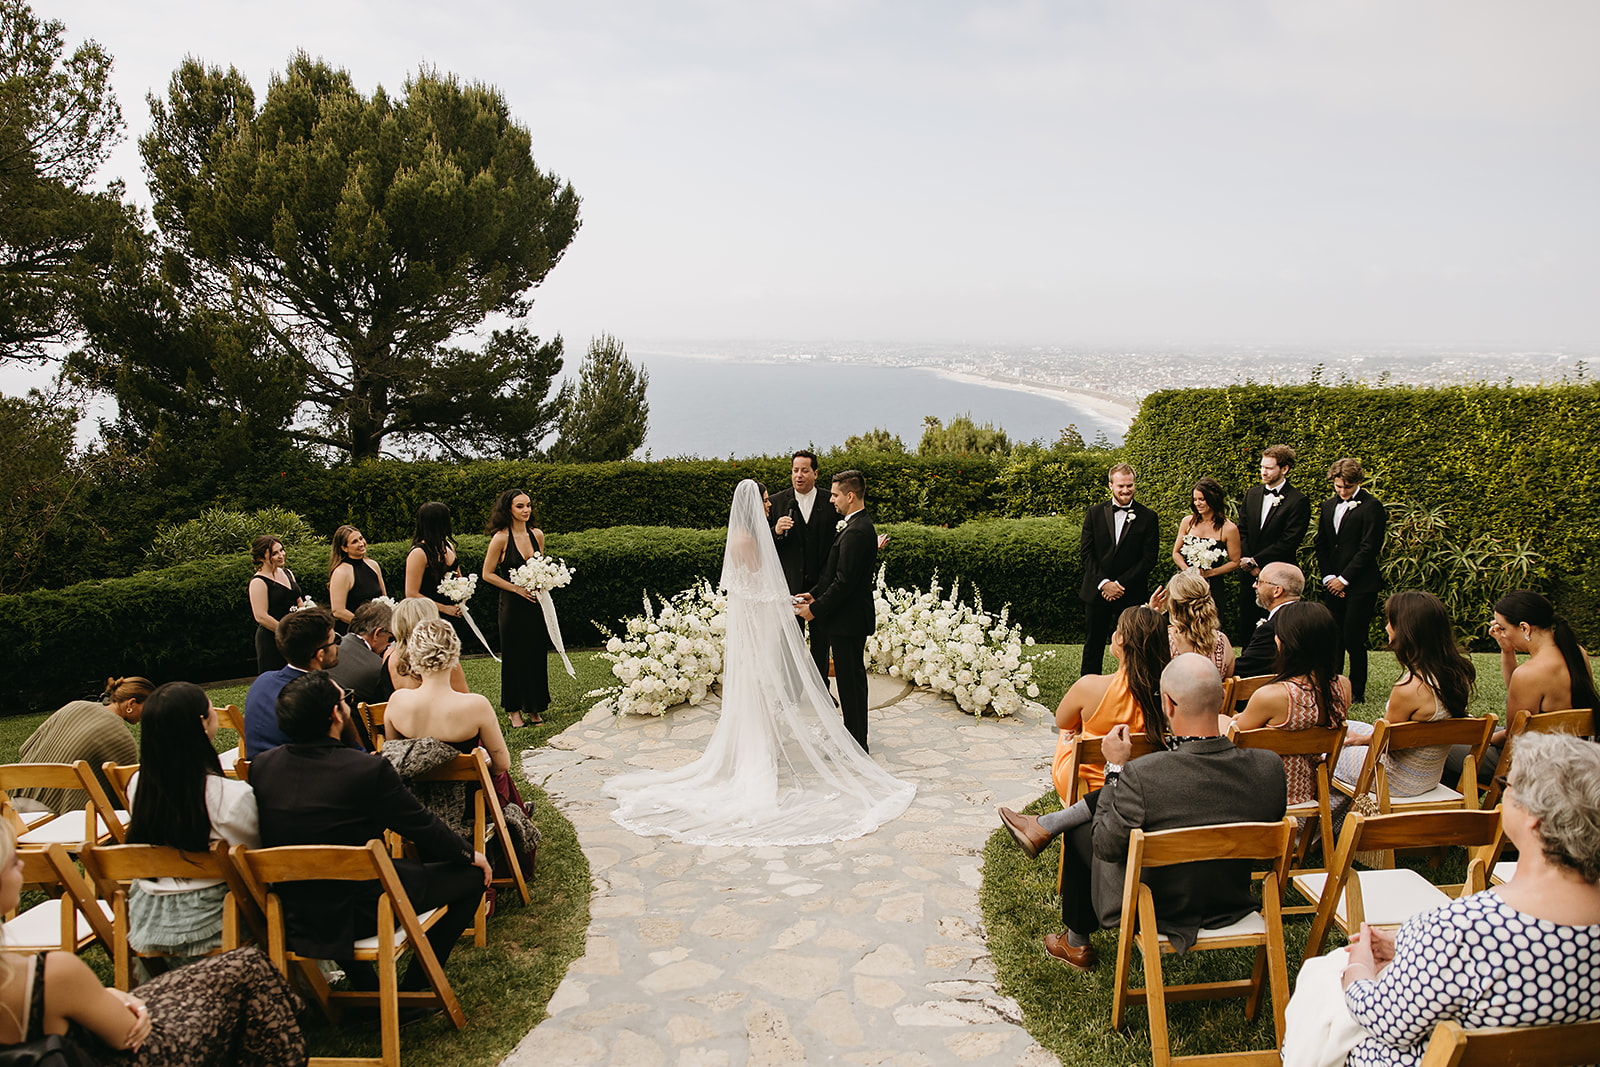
x=386, y=601
x=1202, y=552
x=305, y=603
x=541, y=574
x=669, y=657
x=942, y=644
x=458, y=587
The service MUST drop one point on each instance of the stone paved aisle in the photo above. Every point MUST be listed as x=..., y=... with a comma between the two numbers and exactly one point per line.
x=861, y=952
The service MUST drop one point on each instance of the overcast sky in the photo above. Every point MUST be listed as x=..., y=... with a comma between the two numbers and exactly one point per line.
x=1030, y=172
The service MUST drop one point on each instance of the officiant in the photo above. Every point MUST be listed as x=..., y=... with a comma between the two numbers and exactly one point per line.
x=803, y=526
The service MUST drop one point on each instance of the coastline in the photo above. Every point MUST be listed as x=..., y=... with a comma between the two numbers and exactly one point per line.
x=1102, y=404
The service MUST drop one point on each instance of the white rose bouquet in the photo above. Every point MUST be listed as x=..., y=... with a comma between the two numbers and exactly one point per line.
x=305, y=603
x=1202, y=552
x=459, y=588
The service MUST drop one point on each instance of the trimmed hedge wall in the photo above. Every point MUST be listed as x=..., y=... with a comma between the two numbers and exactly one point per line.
x=191, y=621
x=1514, y=462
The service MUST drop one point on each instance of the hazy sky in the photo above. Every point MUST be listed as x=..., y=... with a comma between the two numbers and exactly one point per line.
x=1033, y=172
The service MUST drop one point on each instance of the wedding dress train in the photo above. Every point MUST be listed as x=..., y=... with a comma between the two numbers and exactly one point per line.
x=780, y=768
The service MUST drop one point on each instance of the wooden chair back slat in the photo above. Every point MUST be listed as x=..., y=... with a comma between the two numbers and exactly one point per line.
x=1577, y=721
x=1452, y=1045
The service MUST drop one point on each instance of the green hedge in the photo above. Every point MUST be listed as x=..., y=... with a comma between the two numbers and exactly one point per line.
x=192, y=621
x=1515, y=463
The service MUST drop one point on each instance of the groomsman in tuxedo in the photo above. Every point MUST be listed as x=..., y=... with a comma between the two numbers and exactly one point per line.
x=841, y=603
x=1272, y=524
x=1118, y=547
x=1349, y=539
x=802, y=520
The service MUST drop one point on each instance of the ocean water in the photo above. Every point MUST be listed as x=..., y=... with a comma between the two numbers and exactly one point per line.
x=718, y=408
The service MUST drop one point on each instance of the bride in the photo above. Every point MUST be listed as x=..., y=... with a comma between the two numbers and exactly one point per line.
x=780, y=769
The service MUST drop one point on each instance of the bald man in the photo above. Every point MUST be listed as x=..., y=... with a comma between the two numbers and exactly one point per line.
x=1202, y=780
x=1277, y=584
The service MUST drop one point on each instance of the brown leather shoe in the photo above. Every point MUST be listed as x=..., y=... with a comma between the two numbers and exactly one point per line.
x=1082, y=958
x=1026, y=829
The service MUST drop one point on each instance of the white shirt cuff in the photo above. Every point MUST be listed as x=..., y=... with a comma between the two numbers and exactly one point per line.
x=1103, y=583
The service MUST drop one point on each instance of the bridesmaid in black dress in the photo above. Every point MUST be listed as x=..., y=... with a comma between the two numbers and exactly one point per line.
x=432, y=556
x=514, y=537
x=1209, y=524
x=274, y=592
x=353, y=579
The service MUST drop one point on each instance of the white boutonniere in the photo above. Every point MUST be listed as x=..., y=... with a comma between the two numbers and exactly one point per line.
x=839, y=526
x=1350, y=505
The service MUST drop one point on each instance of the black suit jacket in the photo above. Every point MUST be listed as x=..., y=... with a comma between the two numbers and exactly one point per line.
x=1200, y=783
x=323, y=793
x=1278, y=539
x=1352, y=552
x=803, y=548
x=1260, y=653
x=842, y=598
x=1128, y=561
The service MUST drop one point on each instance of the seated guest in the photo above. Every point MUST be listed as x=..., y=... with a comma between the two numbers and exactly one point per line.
x=1306, y=689
x=1193, y=625
x=404, y=619
x=1204, y=780
x=1095, y=704
x=462, y=720
x=180, y=799
x=1555, y=676
x=317, y=790
x=1526, y=953
x=224, y=1010
x=361, y=671
x=1435, y=683
x=92, y=730
x=308, y=643
x=1277, y=584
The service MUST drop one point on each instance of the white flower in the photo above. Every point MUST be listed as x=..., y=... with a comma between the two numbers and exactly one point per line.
x=839, y=526
x=458, y=587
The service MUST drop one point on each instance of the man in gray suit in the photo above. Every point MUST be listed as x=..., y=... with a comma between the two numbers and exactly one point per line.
x=361, y=671
x=1203, y=780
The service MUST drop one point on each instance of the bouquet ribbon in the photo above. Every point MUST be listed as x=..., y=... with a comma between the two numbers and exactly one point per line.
x=465, y=614
x=553, y=626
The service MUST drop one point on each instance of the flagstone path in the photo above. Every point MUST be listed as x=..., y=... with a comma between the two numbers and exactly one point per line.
x=863, y=952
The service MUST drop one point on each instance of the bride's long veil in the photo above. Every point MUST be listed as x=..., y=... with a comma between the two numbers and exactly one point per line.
x=780, y=769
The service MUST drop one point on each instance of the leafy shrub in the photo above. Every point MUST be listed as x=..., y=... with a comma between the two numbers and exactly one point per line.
x=218, y=532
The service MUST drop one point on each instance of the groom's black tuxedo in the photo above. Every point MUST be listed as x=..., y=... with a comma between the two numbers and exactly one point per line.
x=803, y=549
x=1351, y=553
x=843, y=610
x=1275, y=539
x=1128, y=562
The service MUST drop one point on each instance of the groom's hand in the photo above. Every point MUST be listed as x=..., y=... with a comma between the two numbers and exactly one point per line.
x=804, y=611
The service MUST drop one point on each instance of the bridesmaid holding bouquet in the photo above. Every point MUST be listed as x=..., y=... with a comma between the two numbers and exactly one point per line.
x=515, y=538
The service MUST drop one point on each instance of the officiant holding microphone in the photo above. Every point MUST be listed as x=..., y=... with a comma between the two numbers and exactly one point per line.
x=803, y=522
x=1118, y=546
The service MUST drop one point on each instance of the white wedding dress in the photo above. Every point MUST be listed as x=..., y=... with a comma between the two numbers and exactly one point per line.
x=780, y=768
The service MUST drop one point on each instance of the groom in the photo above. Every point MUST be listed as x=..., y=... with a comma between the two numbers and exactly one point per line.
x=841, y=603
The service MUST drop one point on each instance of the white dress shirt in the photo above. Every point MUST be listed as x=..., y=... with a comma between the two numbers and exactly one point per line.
x=807, y=501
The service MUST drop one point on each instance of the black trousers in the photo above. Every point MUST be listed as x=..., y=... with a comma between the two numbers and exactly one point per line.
x=429, y=886
x=1100, y=622
x=850, y=672
x=1077, y=898
x=1352, y=614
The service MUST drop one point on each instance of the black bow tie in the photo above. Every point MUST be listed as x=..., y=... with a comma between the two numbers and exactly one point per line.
x=1274, y=492
x=1121, y=507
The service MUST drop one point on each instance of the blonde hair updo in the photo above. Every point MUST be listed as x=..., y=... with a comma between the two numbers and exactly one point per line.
x=433, y=647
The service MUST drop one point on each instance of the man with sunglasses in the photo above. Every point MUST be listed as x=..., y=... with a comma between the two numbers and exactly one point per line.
x=308, y=643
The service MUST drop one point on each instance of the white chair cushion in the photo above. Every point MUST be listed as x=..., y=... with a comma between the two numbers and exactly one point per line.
x=1439, y=794
x=228, y=759
x=1252, y=925
x=1389, y=898
x=40, y=926
x=67, y=830
x=370, y=944
x=1309, y=807
x=1503, y=872
x=31, y=817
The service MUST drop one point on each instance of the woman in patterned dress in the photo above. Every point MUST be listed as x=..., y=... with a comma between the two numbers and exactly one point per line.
x=1194, y=625
x=1306, y=690
x=229, y=1009
x=1526, y=953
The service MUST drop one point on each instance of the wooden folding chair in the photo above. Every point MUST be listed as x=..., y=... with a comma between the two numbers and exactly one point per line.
x=1087, y=750
x=1388, y=896
x=56, y=923
x=1452, y=1045
x=96, y=821
x=1313, y=741
x=473, y=769
x=232, y=719
x=263, y=869
x=1245, y=688
x=1262, y=931
x=119, y=775
x=372, y=716
x=113, y=868
x=1578, y=722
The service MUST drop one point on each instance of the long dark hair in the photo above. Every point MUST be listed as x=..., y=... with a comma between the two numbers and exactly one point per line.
x=433, y=533
x=1210, y=491
x=1424, y=643
x=1524, y=605
x=175, y=758
x=337, y=556
x=1308, y=638
x=500, y=514
x=1146, y=651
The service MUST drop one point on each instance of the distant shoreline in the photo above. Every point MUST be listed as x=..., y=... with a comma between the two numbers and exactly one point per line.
x=1102, y=404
